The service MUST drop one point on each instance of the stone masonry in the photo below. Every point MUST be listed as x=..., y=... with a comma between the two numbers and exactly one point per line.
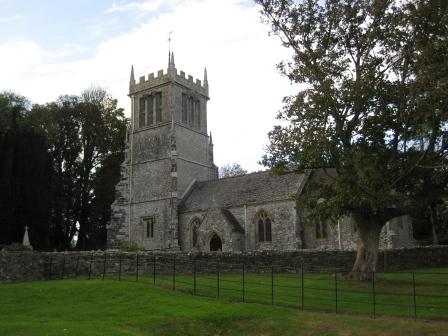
x=169, y=196
x=29, y=266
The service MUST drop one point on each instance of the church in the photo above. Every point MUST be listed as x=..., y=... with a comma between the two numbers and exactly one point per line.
x=169, y=196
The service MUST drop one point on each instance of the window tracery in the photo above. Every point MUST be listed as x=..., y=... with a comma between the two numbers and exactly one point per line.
x=264, y=225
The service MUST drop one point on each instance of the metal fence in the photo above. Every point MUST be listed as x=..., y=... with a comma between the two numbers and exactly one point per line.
x=415, y=294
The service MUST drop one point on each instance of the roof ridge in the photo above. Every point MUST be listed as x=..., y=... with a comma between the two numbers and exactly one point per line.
x=243, y=189
x=242, y=175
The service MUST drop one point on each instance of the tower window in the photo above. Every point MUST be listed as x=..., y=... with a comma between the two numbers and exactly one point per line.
x=158, y=106
x=148, y=227
x=264, y=227
x=150, y=118
x=142, y=113
x=197, y=111
x=150, y=109
x=191, y=111
x=184, y=109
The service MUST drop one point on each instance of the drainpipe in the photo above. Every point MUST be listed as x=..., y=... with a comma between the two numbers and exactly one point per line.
x=339, y=235
x=245, y=227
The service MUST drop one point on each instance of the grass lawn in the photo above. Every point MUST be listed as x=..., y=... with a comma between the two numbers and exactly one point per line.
x=109, y=307
x=391, y=294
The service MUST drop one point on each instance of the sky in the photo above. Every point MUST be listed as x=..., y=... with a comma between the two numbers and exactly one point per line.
x=53, y=47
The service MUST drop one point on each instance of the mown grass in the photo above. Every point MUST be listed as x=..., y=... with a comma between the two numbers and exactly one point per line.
x=96, y=307
x=390, y=294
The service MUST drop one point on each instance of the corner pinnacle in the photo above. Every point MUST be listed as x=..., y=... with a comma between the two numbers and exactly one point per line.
x=132, y=79
x=205, y=76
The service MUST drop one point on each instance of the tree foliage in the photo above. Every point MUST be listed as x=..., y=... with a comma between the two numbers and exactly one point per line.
x=86, y=134
x=25, y=174
x=372, y=105
x=229, y=170
x=77, y=144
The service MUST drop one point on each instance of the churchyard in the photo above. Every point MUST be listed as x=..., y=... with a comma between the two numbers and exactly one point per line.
x=141, y=293
x=111, y=307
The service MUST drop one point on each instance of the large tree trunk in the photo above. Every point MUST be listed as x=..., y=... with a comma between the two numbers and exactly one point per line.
x=367, y=249
x=435, y=239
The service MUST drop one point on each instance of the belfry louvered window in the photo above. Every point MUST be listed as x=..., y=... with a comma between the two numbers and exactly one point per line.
x=191, y=111
x=142, y=112
x=158, y=106
x=197, y=113
x=184, y=109
x=150, y=109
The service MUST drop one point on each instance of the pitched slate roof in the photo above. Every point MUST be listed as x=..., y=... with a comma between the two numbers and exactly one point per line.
x=239, y=190
x=232, y=220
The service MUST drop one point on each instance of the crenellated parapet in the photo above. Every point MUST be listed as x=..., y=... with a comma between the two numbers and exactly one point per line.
x=162, y=77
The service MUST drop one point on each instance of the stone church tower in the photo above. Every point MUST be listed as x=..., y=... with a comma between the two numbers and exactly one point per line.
x=168, y=149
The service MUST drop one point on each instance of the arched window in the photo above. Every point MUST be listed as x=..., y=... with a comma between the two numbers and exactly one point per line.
x=191, y=111
x=142, y=113
x=184, y=108
x=263, y=222
x=197, y=112
x=148, y=227
x=195, y=232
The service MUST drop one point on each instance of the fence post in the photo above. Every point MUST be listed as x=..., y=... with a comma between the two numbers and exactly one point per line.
x=44, y=263
x=136, y=267
x=272, y=284
x=104, y=264
x=119, y=267
x=303, y=289
x=217, y=279
x=415, y=297
x=194, y=277
x=336, y=289
x=63, y=267
x=373, y=295
x=51, y=265
x=77, y=265
x=90, y=266
x=244, y=271
x=154, y=269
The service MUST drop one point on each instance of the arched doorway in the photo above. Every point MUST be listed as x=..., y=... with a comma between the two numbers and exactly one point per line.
x=215, y=243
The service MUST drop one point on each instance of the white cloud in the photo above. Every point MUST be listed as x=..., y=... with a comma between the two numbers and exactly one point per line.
x=11, y=18
x=146, y=6
x=245, y=88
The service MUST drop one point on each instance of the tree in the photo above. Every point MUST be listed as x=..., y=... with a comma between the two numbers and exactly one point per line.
x=86, y=136
x=59, y=164
x=372, y=106
x=233, y=169
x=25, y=175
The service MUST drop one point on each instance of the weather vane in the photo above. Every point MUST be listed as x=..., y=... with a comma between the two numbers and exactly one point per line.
x=169, y=41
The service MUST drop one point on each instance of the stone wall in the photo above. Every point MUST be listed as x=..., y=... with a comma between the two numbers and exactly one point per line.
x=285, y=235
x=27, y=266
x=21, y=266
